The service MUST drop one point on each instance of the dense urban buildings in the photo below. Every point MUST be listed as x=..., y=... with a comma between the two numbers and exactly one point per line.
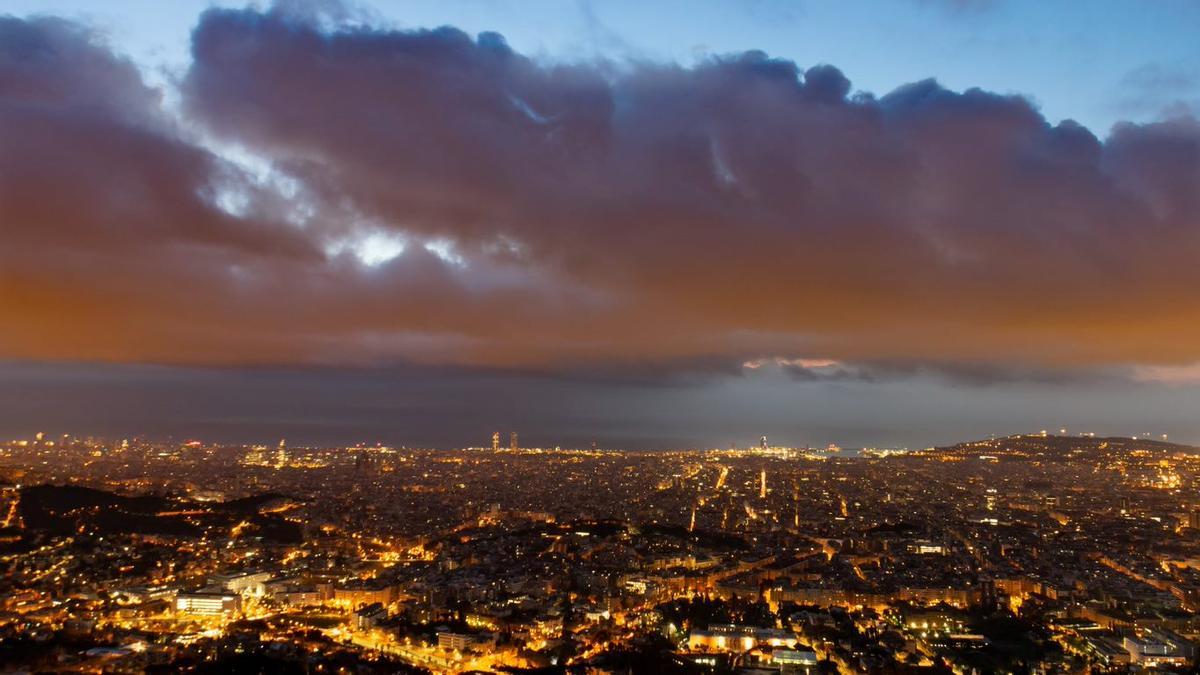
x=1035, y=553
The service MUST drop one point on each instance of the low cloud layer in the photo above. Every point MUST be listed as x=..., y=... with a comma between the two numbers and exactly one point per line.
x=327, y=193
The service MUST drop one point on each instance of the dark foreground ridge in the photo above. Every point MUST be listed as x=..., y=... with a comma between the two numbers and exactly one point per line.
x=74, y=509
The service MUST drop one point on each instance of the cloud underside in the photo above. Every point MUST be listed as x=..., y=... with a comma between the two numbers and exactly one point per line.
x=330, y=193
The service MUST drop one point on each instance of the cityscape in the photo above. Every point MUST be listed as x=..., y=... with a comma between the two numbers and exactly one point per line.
x=1029, y=553
x=599, y=337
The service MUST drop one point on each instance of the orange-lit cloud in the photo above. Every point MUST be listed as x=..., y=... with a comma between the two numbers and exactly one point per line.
x=432, y=197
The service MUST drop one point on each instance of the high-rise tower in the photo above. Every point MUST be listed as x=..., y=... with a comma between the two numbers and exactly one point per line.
x=512, y=441
x=495, y=441
x=796, y=505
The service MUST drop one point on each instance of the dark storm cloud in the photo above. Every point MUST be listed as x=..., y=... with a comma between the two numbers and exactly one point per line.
x=90, y=161
x=570, y=217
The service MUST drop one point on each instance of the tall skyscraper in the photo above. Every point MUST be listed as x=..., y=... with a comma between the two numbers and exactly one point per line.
x=796, y=505
x=495, y=441
x=512, y=441
x=762, y=443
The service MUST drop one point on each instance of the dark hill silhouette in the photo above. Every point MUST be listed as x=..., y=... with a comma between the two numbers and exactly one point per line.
x=1053, y=446
x=70, y=509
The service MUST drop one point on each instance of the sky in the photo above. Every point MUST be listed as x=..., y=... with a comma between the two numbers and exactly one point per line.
x=637, y=224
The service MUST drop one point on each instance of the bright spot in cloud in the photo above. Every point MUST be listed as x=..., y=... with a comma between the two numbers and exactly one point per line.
x=371, y=249
x=444, y=249
x=1180, y=375
x=807, y=364
x=528, y=111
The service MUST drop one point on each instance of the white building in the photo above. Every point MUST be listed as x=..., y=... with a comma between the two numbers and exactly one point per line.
x=207, y=603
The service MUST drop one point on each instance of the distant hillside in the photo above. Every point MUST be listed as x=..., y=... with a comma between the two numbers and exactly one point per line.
x=1051, y=446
